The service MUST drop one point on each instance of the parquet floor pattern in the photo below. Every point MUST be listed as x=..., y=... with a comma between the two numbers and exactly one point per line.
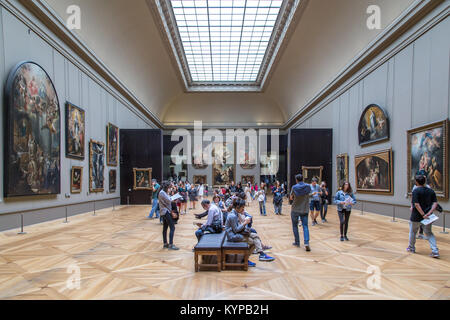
x=120, y=256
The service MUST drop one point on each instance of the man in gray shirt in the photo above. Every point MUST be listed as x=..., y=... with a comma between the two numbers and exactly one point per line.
x=214, y=223
x=300, y=209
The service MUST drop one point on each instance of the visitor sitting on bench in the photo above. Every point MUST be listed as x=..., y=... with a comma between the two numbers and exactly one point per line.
x=214, y=223
x=240, y=232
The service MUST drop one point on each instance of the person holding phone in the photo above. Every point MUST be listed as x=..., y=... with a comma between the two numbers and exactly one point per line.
x=344, y=200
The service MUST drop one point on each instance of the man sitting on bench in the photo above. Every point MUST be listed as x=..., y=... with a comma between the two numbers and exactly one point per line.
x=214, y=223
x=238, y=231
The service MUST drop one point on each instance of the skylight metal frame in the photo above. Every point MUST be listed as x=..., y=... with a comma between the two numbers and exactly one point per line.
x=172, y=32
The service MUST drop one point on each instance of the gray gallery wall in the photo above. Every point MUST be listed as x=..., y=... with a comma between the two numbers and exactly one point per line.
x=18, y=43
x=413, y=86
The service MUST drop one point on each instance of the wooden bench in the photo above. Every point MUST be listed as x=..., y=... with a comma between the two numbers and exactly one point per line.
x=237, y=249
x=210, y=244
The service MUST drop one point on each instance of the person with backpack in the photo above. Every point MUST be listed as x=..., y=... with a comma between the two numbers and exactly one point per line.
x=299, y=200
x=278, y=199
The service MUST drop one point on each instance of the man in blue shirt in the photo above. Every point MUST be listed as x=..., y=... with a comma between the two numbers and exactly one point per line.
x=155, y=207
x=314, y=204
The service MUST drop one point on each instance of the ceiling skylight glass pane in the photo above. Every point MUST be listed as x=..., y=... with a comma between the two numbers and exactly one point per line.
x=225, y=40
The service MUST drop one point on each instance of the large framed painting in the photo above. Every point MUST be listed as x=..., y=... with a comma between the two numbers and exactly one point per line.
x=75, y=132
x=76, y=180
x=199, y=158
x=428, y=151
x=112, y=146
x=112, y=181
x=200, y=180
x=373, y=126
x=32, y=159
x=310, y=173
x=342, y=173
x=224, y=163
x=142, y=179
x=374, y=173
x=96, y=166
x=247, y=179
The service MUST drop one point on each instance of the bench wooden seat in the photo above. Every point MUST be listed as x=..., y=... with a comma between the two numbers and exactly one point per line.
x=210, y=244
x=235, y=248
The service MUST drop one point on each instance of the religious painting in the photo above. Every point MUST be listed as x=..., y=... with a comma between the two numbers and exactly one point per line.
x=247, y=156
x=76, y=179
x=269, y=164
x=142, y=179
x=246, y=179
x=373, y=126
x=342, y=169
x=96, y=166
x=224, y=168
x=112, y=181
x=75, y=132
x=112, y=146
x=200, y=180
x=309, y=173
x=199, y=158
x=428, y=151
x=32, y=133
x=374, y=172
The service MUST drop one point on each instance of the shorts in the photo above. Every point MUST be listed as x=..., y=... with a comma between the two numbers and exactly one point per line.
x=314, y=205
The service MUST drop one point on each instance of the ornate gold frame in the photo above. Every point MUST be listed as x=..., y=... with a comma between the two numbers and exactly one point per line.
x=445, y=125
x=203, y=177
x=71, y=180
x=390, y=160
x=305, y=169
x=149, y=178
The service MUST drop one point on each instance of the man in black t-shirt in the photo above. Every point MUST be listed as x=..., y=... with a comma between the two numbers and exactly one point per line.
x=424, y=204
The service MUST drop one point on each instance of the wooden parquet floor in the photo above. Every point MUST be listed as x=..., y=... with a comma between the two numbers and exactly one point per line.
x=120, y=256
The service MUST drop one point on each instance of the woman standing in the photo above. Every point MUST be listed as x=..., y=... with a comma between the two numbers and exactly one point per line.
x=183, y=192
x=344, y=200
x=248, y=197
x=168, y=216
x=193, y=196
x=201, y=191
x=278, y=193
x=324, y=201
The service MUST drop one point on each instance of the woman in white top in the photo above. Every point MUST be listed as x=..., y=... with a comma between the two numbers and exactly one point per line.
x=248, y=198
x=201, y=191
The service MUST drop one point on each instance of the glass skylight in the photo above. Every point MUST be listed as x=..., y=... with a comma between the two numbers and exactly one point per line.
x=225, y=40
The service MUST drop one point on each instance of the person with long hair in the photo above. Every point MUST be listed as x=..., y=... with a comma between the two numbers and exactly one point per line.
x=184, y=193
x=324, y=201
x=168, y=216
x=344, y=200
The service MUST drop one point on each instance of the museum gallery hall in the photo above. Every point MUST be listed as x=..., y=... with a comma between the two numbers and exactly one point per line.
x=224, y=150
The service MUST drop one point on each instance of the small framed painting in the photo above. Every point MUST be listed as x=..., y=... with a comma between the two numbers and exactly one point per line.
x=76, y=179
x=310, y=173
x=247, y=179
x=112, y=146
x=342, y=173
x=75, y=132
x=200, y=179
x=374, y=173
x=96, y=166
x=112, y=181
x=142, y=179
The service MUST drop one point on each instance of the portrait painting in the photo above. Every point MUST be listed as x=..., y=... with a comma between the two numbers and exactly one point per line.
x=373, y=126
x=428, y=151
x=75, y=132
x=374, y=172
x=342, y=173
x=200, y=180
x=112, y=181
x=309, y=173
x=112, y=146
x=76, y=180
x=142, y=179
x=224, y=167
x=247, y=179
x=96, y=166
x=32, y=133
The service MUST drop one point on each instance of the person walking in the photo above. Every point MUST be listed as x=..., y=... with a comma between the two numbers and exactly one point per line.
x=324, y=201
x=155, y=208
x=314, y=204
x=278, y=195
x=344, y=200
x=167, y=215
x=300, y=208
x=424, y=203
x=262, y=202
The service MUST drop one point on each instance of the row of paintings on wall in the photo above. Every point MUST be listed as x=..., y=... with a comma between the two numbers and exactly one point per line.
x=33, y=136
x=76, y=180
x=427, y=150
x=203, y=179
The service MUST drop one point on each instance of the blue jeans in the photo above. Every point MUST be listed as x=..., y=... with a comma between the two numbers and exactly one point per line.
x=278, y=207
x=295, y=216
x=262, y=208
x=414, y=227
x=155, y=209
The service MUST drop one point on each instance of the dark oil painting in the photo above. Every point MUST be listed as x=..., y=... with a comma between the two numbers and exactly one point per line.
x=96, y=166
x=75, y=132
x=112, y=138
x=373, y=126
x=32, y=133
x=374, y=172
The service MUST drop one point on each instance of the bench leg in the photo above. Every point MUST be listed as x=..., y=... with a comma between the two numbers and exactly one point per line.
x=196, y=262
x=246, y=257
x=219, y=261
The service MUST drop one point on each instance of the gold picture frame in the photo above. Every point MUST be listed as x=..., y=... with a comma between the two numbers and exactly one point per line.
x=76, y=175
x=342, y=169
x=96, y=166
x=197, y=179
x=374, y=172
x=312, y=172
x=247, y=179
x=430, y=144
x=145, y=179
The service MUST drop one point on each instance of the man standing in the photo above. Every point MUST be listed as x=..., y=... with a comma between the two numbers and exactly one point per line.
x=314, y=206
x=424, y=204
x=300, y=207
x=155, y=207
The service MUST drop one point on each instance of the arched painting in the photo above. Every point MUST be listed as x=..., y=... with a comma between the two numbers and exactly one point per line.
x=33, y=133
x=373, y=126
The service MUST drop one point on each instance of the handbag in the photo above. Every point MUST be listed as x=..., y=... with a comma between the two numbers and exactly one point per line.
x=439, y=208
